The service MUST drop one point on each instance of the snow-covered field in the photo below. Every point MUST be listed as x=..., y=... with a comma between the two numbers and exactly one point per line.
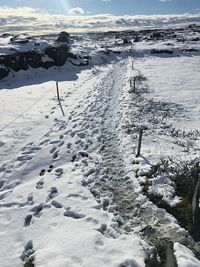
x=70, y=186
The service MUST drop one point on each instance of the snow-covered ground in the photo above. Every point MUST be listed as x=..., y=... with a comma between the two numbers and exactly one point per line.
x=70, y=186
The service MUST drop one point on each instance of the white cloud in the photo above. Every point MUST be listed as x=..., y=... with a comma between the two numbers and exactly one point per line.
x=35, y=21
x=76, y=11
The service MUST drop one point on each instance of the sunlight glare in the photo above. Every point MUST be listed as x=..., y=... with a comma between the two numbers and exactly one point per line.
x=64, y=5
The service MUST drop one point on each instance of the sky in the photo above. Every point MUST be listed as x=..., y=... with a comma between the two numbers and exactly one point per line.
x=81, y=15
x=115, y=7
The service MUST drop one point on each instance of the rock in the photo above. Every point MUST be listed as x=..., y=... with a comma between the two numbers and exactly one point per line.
x=126, y=41
x=3, y=72
x=34, y=59
x=48, y=64
x=161, y=51
x=25, y=41
x=190, y=50
x=181, y=40
x=5, y=35
x=137, y=39
x=157, y=35
x=63, y=37
x=192, y=26
x=73, y=56
x=16, y=40
x=195, y=39
x=59, y=53
x=16, y=62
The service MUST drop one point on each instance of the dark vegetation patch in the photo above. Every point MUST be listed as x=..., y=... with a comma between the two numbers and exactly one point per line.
x=163, y=255
x=185, y=175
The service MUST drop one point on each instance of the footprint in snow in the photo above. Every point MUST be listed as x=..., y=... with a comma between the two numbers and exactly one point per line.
x=77, y=196
x=2, y=182
x=3, y=168
x=99, y=242
x=54, y=142
x=73, y=158
x=128, y=263
x=53, y=192
x=50, y=169
x=73, y=134
x=27, y=255
x=55, y=155
x=42, y=172
x=27, y=220
x=56, y=204
x=30, y=199
x=92, y=220
x=24, y=158
x=69, y=145
x=44, y=142
x=81, y=135
x=59, y=172
x=53, y=149
x=61, y=143
x=37, y=210
x=73, y=214
x=5, y=194
x=40, y=184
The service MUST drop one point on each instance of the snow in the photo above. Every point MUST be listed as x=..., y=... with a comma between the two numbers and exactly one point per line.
x=60, y=238
x=33, y=42
x=177, y=78
x=29, y=212
x=71, y=186
x=185, y=257
x=162, y=185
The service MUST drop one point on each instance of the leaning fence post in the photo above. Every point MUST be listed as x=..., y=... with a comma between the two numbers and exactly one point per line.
x=139, y=143
x=59, y=102
x=58, y=95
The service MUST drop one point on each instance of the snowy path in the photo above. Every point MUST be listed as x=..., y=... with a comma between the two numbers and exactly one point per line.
x=47, y=212
x=43, y=201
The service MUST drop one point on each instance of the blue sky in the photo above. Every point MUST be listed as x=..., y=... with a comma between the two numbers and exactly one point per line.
x=115, y=7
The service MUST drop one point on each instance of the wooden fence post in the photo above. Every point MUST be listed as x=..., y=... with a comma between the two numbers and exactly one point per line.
x=139, y=143
x=58, y=95
x=134, y=84
x=130, y=82
x=59, y=102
